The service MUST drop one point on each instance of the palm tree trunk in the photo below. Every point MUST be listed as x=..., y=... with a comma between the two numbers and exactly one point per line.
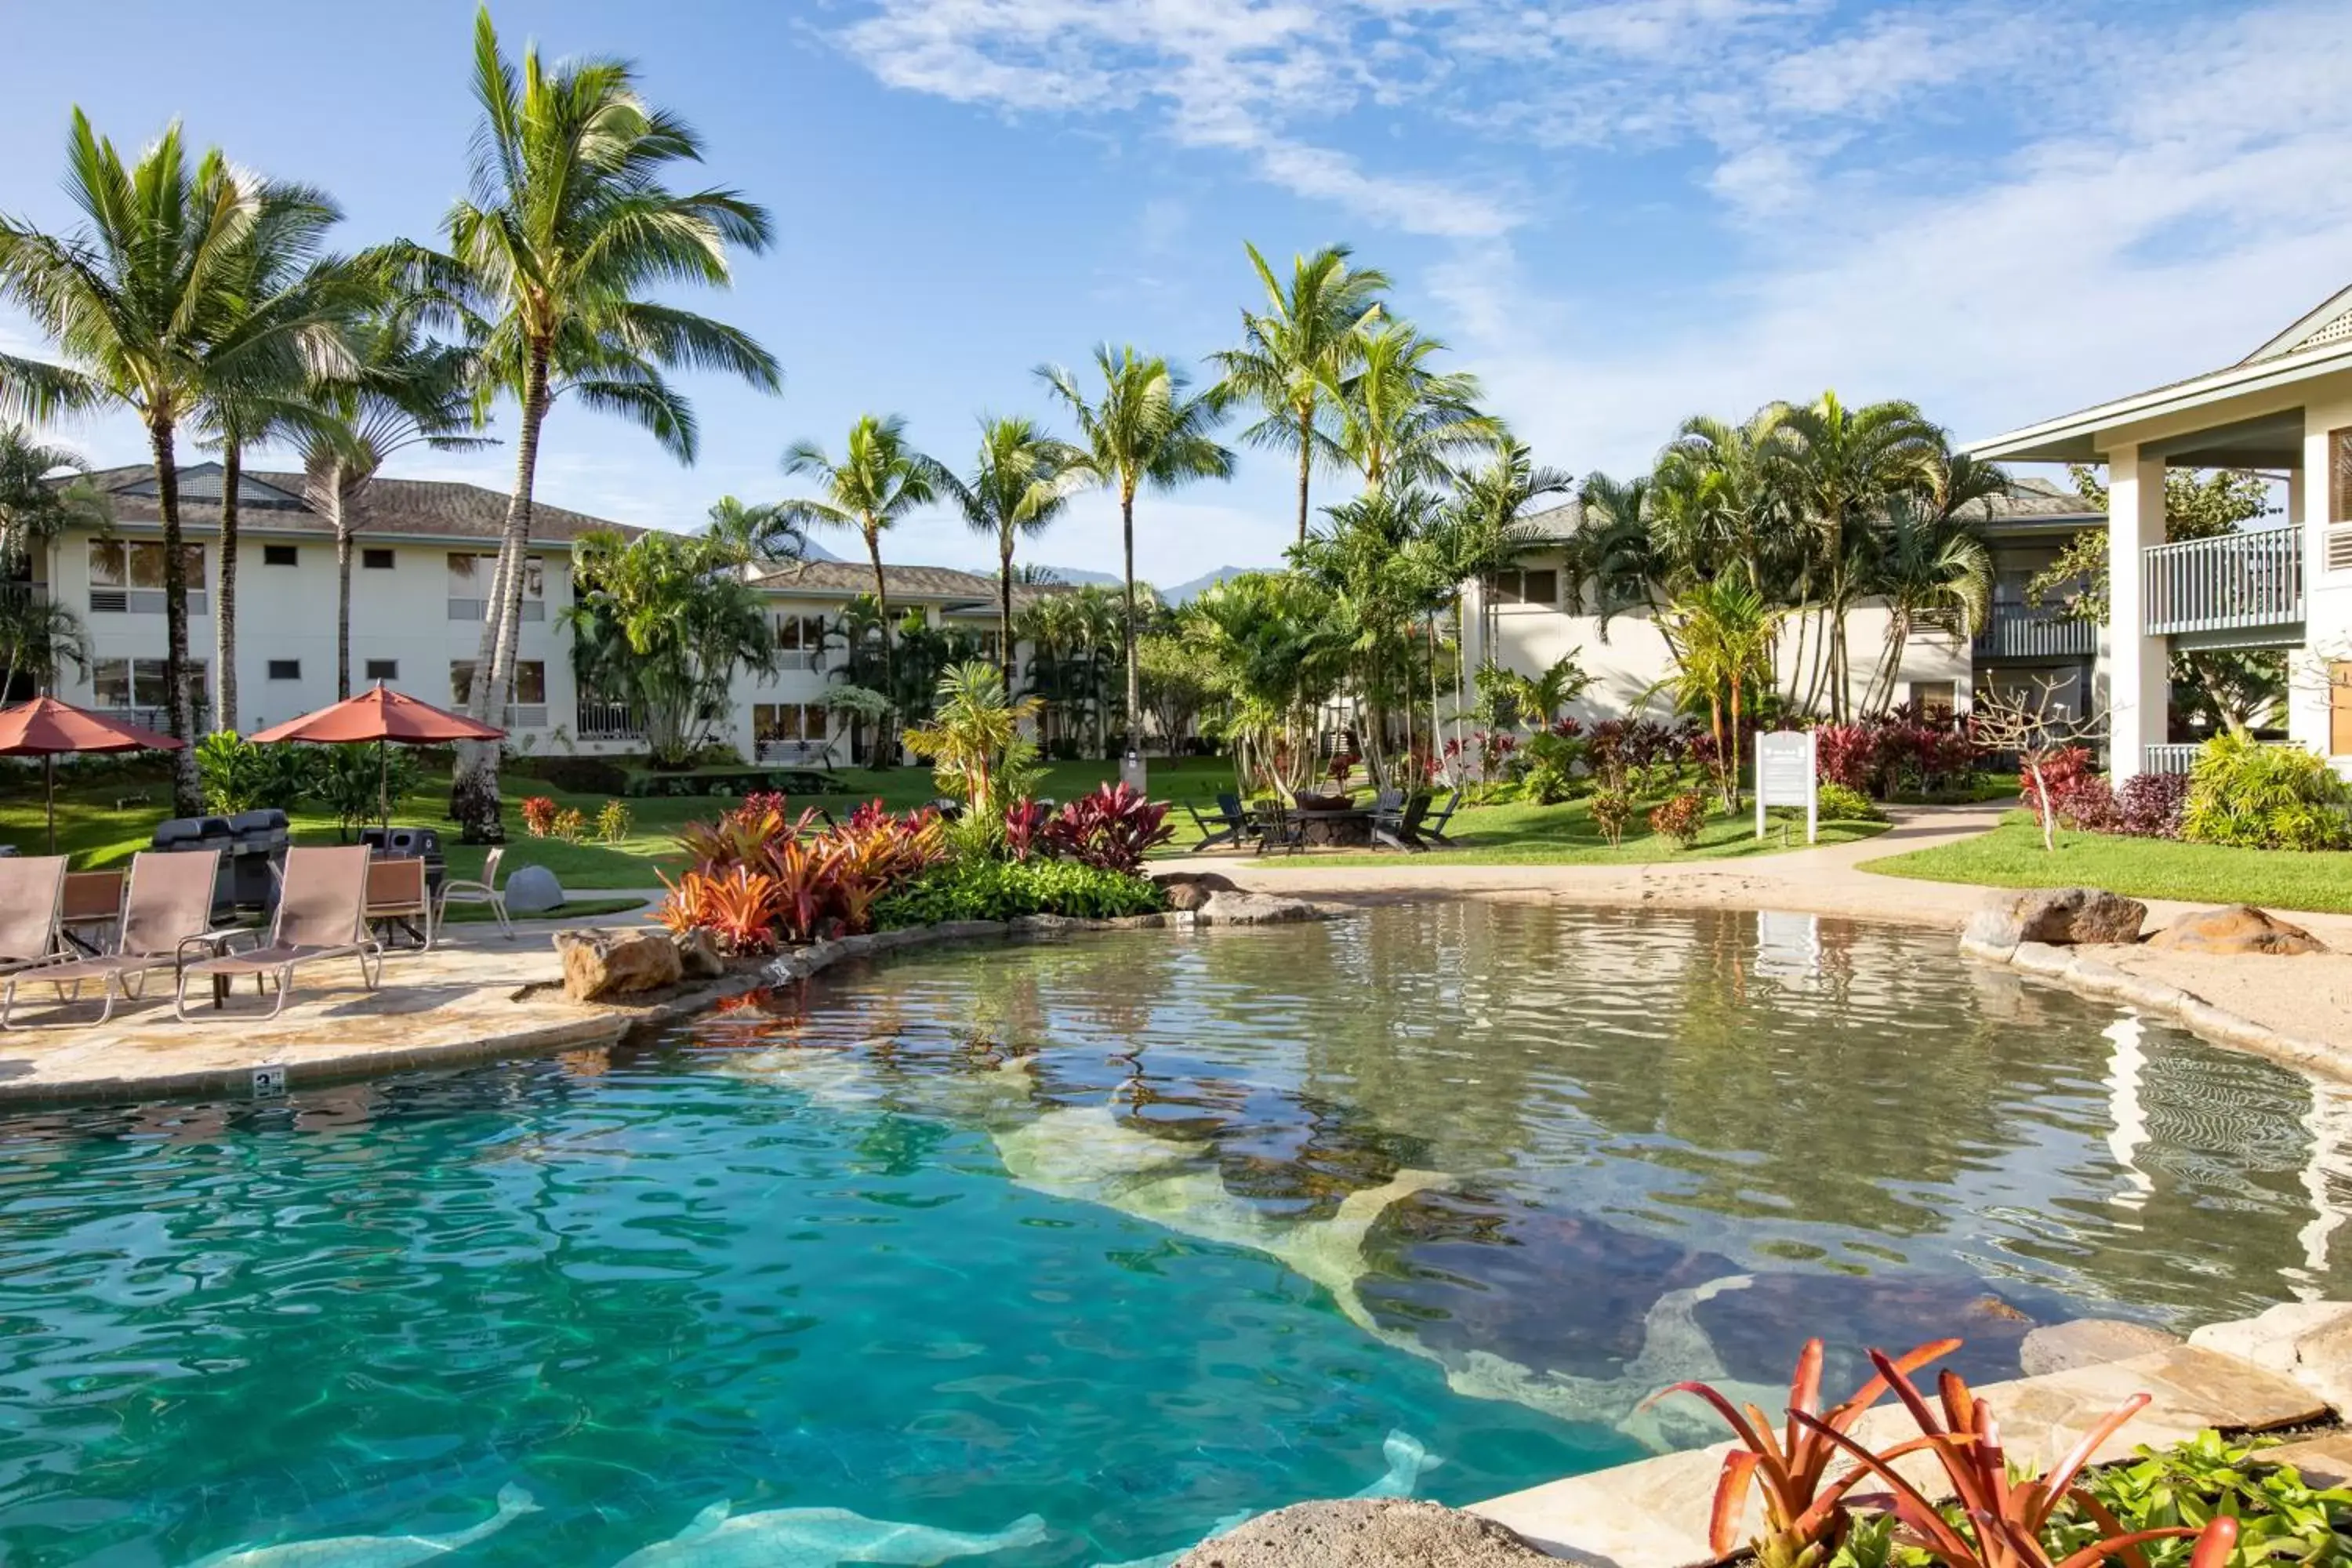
x=225, y=602
x=1005, y=610
x=474, y=793
x=342, y=584
x=187, y=793
x=1731, y=767
x=885, y=752
x=1134, y=676
x=1306, y=461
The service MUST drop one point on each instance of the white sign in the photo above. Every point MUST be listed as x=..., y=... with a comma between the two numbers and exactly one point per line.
x=1784, y=776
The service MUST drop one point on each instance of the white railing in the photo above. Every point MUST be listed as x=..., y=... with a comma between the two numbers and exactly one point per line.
x=794, y=752
x=607, y=721
x=2252, y=578
x=476, y=609
x=2180, y=757
x=2021, y=631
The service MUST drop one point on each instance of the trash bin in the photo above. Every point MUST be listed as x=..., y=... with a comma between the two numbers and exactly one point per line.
x=411, y=843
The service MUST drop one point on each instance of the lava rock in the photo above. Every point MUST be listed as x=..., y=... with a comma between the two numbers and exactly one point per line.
x=2087, y=1342
x=1382, y=1532
x=1194, y=890
x=2058, y=917
x=1238, y=908
x=698, y=957
x=2241, y=928
x=601, y=963
x=533, y=890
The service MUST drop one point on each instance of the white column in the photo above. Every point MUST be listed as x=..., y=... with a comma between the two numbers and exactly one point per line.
x=2327, y=596
x=2137, y=683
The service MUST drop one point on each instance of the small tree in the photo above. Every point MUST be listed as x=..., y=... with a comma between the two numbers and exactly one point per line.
x=2037, y=727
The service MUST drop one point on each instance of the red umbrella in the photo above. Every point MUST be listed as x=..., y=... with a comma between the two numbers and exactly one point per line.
x=380, y=715
x=47, y=728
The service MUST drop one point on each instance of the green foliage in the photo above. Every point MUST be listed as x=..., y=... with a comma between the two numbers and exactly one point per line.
x=237, y=775
x=2280, y=1519
x=980, y=887
x=1840, y=803
x=348, y=783
x=975, y=742
x=613, y=821
x=1681, y=817
x=1612, y=807
x=2253, y=796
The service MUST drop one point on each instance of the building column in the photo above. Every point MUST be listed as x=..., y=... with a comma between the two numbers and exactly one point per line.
x=2315, y=501
x=2138, y=683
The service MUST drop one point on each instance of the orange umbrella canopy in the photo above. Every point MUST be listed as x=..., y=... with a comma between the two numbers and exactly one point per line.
x=380, y=714
x=45, y=727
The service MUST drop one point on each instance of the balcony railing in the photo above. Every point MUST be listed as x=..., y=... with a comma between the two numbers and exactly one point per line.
x=2031, y=632
x=607, y=721
x=2239, y=581
x=2180, y=756
x=792, y=752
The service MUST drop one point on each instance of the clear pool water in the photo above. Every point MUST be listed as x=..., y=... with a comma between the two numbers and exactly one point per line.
x=1133, y=1233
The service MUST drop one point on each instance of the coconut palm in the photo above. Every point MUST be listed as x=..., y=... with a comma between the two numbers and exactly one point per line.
x=1144, y=429
x=144, y=301
x=1021, y=480
x=1305, y=342
x=567, y=227
x=879, y=479
x=1400, y=421
x=1925, y=563
x=33, y=508
x=1721, y=634
x=404, y=390
x=756, y=531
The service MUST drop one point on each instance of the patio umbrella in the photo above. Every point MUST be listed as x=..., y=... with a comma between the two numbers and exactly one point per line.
x=45, y=728
x=382, y=715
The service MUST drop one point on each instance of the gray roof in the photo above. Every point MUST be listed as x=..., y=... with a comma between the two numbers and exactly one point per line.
x=941, y=584
x=2030, y=501
x=270, y=502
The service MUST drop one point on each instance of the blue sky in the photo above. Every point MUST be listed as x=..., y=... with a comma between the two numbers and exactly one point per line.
x=1619, y=212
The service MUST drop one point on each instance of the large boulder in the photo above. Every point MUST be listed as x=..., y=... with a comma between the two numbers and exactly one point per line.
x=1238, y=908
x=1194, y=890
x=533, y=890
x=2058, y=917
x=2087, y=1342
x=600, y=963
x=1382, y=1533
x=2310, y=1342
x=698, y=957
x=2241, y=928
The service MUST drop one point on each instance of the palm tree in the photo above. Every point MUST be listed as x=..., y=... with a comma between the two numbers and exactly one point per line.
x=1305, y=342
x=1143, y=429
x=1613, y=549
x=1021, y=482
x=405, y=390
x=33, y=508
x=144, y=302
x=567, y=227
x=1721, y=632
x=880, y=478
x=1928, y=558
x=974, y=742
x=756, y=531
x=1400, y=421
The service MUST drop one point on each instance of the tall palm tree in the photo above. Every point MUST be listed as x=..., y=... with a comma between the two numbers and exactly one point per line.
x=569, y=225
x=38, y=633
x=1928, y=558
x=755, y=531
x=404, y=390
x=1613, y=549
x=1021, y=480
x=1145, y=429
x=144, y=305
x=1721, y=631
x=1306, y=341
x=880, y=478
x=1401, y=421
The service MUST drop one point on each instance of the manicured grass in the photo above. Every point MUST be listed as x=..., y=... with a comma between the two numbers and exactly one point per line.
x=571, y=910
x=1517, y=834
x=2011, y=855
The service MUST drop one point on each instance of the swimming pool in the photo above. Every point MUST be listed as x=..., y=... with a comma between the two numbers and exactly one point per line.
x=1133, y=1233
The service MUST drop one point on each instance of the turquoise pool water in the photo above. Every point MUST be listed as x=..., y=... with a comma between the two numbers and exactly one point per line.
x=1133, y=1234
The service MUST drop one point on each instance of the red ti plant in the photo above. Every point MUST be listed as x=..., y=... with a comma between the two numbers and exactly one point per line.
x=1024, y=828
x=1805, y=1516
x=1111, y=828
x=2003, y=1516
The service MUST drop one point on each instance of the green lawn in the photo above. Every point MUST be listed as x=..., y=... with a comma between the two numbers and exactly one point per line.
x=1517, y=834
x=2011, y=855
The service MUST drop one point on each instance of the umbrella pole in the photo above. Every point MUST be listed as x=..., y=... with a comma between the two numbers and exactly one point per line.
x=382, y=800
x=49, y=777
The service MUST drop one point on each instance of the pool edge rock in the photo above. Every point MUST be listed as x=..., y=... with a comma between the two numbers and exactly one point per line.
x=1382, y=1532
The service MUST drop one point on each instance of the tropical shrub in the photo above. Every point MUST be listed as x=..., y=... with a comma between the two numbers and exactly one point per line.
x=979, y=889
x=2151, y=806
x=1025, y=828
x=1613, y=809
x=1905, y=753
x=2254, y=797
x=2060, y=772
x=1841, y=803
x=738, y=906
x=1551, y=755
x=354, y=783
x=612, y=822
x=571, y=824
x=2280, y=1517
x=1112, y=828
x=1681, y=817
x=538, y=815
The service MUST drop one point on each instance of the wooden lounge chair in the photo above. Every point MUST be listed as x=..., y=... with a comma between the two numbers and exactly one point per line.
x=167, y=913
x=1433, y=830
x=1280, y=826
x=32, y=898
x=486, y=892
x=1398, y=825
x=1230, y=826
x=321, y=914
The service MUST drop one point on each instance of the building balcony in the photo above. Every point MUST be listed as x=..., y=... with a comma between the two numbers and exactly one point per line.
x=2027, y=633
x=607, y=721
x=2245, y=582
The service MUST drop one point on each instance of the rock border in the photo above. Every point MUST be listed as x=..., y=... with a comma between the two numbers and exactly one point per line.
x=2103, y=982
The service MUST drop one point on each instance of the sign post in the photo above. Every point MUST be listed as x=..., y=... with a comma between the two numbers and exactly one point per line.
x=1785, y=777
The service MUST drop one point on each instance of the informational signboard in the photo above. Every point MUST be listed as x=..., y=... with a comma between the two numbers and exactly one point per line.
x=1784, y=776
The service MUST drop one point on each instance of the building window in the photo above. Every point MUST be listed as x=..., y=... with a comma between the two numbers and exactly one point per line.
x=376, y=560
x=799, y=642
x=127, y=577
x=137, y=684
x=529, y=710
x=285, y=669
x=280, y=556
x=383, y=670
x=470, y=586
x=1517, y=586
x=1937, y=701
x=795, y=727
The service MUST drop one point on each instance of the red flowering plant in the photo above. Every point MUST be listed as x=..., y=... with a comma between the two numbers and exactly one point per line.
x=539, y=813
x=1112, y=828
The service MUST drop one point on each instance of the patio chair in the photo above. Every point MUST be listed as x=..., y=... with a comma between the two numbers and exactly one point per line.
x=321, y=914
x=1399, y=825
x=1230, y=826
x=166, y=912
x=486, y=892
x=1279, y=826
x=398, y=894
x=92, y=902
x=1433, y=830
x=32, y=897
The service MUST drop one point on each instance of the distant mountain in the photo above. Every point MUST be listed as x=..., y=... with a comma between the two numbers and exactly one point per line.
x=1074, y=575
x=1185, y=593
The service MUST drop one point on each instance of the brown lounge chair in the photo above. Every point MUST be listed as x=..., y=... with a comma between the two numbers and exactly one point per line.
x=321, y=914
x=32, y=898
x=167, y=911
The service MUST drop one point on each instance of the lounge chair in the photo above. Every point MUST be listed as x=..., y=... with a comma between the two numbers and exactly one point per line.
x=321, y=914
x=32, y=897
x=1279, y=826
x=92, y=902
x=167, y=911
x=398, y=894
x=1399, y=825
x=1230, y=826
x=486, y=892
x=1433, y=830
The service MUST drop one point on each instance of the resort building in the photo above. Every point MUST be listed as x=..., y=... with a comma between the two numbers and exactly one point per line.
x=422, y=558
x=1530, y=616
x=2283, y=584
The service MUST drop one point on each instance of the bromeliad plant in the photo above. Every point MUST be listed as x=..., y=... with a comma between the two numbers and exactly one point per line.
x=762, y=875
x=1111, y=829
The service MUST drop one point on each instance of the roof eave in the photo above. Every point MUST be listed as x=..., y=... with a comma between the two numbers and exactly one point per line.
x=2074, y=438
